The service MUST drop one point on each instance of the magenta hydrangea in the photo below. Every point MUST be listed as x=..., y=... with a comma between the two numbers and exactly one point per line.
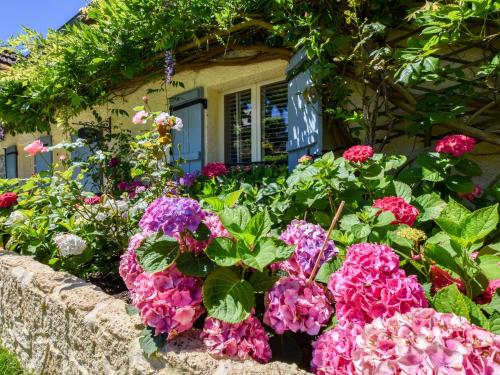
x=308, y=240
x=423, y=342
x=168, y=300
x=332, y=351
x=173, y=215
x=129, y=267
x=244, y=340
x=456, y=145
x=294, y=304
x=370, y=285
x=404, y=212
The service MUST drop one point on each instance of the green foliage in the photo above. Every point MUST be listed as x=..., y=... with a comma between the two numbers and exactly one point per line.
x=156, y=254
x=9, y=363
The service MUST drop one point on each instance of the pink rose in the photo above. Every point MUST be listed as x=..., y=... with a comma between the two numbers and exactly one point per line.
x=35, y=148
x=140, y=118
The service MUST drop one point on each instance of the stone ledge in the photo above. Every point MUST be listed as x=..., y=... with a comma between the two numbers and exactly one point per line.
x=59, y=324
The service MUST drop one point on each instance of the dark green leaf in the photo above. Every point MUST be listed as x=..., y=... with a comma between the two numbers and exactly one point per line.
x=451, y=300
x=223, y=252
x=266, y=251
x=227, y=297
x=480, y=223
x=156, y=254
x=262, y=281
x=195, y=265
x=235, y=219
x=149, y=343
x=327, y=269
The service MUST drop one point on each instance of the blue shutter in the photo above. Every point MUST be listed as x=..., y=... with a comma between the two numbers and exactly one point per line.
x=305, y=123
x=43, y=161
x=189, y=106
x=82, y=154
x=11, y=162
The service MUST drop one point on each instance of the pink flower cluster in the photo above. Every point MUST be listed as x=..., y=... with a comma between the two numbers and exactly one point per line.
x=92, y=200
x=358, y=154
x=140, y=118
x=167, y=300
x=129, y=267
x=475, y=193
x=8, y=199
x=214, y=170
x=424, y=341
x=456, y=145
x=487, y=295
x=308, y=240
x=332, y=351
x=214, y=225
x=172, y=215
x=35, y=148
x=440, y=278
x=295, y=305
x=244, y=340
x=370, y=285
x=404, y=212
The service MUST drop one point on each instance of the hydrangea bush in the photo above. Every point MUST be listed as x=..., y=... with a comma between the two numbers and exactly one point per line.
x=364, y=262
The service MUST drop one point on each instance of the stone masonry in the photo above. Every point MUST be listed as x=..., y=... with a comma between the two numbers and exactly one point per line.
x=58, y=324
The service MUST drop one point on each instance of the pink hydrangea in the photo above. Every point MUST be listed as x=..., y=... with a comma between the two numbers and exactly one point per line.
x=358, y=154
x=214, y=225
x=173, y=215
x=308, y=240
x=140, y=118
x=244, y=340
x=214, y=170
x=295, y=305
x=332, y=351
x=305, y=159
x=404, y=212
x=35, y=148
x=165, y=119
x=370, y=284
x=129, y=267
x=92, y=200
x=487, y=295
x=168, y=301
x=475, y=193
x=456, y=145
x=423, y=342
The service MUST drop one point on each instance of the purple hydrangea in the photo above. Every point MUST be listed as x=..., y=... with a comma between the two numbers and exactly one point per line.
x=308, y=240
x=188, y=179
x=172, y=215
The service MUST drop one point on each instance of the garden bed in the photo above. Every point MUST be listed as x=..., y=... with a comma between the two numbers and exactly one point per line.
x=58, y=324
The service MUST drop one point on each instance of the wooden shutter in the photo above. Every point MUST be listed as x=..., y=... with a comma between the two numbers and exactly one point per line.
x=11, y=162
x=190, y=108
x=43, y=161
x=305, y=123
x=274, y=121
x=238, y=127
x=92, y=179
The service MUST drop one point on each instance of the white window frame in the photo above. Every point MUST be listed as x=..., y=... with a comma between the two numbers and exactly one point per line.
x=256, y=100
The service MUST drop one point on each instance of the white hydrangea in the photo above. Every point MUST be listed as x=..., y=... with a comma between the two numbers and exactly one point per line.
x=138, y=208
x=116, y=205
x=16, y=217
x=70, y=244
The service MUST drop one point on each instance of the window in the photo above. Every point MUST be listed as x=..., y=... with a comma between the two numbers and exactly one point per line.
x=274, y=121
x=43, y=161
x=256, y=124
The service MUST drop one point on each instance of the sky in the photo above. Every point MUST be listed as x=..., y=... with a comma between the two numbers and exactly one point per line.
x=36, y=14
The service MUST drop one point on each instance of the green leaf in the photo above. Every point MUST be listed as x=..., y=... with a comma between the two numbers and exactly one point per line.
x=263, y=281
x=449, y=226
x=480, y=223
x=235, y=219
x=489, y=266
x=216, y=203
x=443, y=256
x=451, y=300
x=455, y=211
x=385, y=218
x=348, y=221
x=260, y=224
x=400, y=189
x=231, y=198
x=227, y=297
x=223, y=252
x=131, y=310
x=202, y=233
x=195, y=265
x=361, y=230
x=431, y=206
x=327, y=269
x=468, y=167
x=150, y=343
x=266, y=251
x=459, y=184
x=322, y=219
x=156, y=254
x=494, y=323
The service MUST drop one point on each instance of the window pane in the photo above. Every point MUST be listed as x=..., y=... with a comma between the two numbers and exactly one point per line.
x=238, y=127
x=274, y=121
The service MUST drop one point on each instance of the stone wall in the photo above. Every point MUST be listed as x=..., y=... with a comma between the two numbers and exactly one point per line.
x=59, y=324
